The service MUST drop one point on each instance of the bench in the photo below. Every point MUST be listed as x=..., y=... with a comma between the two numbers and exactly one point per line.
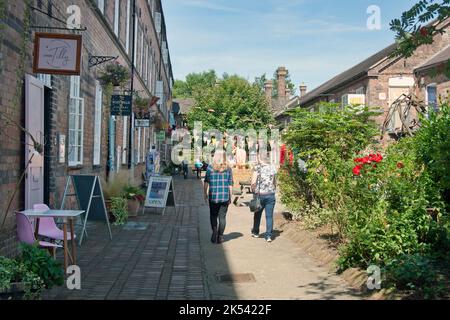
x=240, y=193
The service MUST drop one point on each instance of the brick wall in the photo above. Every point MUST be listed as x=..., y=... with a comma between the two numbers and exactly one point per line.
x=99, y=39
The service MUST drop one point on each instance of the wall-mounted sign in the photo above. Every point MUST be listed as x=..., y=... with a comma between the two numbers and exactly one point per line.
x=57, y=54
x=161, y=136
x=62, y=148
x=121, y=105
x=142, y=123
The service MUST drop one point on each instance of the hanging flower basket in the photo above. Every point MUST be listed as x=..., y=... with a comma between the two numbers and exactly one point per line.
x=115, y=75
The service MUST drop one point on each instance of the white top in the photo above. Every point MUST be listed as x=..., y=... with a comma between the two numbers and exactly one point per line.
x=52, y=213
x=265, y=182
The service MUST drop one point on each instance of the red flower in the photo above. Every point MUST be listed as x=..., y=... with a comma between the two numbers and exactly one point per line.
x=400, y=165
x=424, y=32
x=357, y=170
x=376, y=158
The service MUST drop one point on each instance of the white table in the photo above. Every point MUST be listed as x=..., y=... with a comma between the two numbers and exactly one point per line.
x=67, y=216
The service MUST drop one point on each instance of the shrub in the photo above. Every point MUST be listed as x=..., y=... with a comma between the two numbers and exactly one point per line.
x=119, y=209
x=41, y=263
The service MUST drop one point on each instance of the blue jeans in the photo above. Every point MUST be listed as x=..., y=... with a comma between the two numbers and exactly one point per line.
x=268, y=204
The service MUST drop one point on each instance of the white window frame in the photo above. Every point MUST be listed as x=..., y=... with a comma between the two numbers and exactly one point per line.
x=46, y=79
x=101, y=6
x=128, y=36
x=116, y=17
x=135, y=43
x=76, y=148
x=125, y=141
x=141, y=66
x=138, y=151
x=98, y=124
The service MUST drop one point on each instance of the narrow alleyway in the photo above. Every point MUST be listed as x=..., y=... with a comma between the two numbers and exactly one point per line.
x=171, y=257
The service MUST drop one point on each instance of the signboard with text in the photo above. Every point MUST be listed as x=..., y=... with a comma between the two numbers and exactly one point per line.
x=161, y=136
x=57, y=54
x=158, y=191
x=121, y=105
x=142, y=123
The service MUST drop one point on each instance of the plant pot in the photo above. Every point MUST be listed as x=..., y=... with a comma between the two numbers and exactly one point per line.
x=133, y=208
x=15, y=292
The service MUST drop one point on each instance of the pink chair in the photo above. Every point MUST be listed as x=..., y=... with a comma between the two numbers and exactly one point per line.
x=48, y=227
x=25, y=234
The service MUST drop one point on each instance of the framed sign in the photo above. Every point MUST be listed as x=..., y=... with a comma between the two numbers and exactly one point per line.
x=142, y=123
x=57, y=54
x=158, y=191
x=121, y=105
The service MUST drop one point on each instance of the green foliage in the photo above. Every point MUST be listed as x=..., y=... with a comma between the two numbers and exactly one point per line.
x=433, y=147
x=232, y=104
x=134, y=193
x=119, y=209
x=381, y=213
x=40, y=262
x=194, y=82
x=114, y=74
x=413, y=29
x=417, y=274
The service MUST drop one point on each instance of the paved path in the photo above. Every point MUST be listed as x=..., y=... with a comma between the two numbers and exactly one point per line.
x=171, y=257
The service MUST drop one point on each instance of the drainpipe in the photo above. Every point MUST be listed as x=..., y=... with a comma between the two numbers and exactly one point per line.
x=131, y=126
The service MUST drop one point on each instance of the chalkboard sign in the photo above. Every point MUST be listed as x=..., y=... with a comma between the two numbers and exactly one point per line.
x=89, y=194
x=121, y=105
x=160, y=190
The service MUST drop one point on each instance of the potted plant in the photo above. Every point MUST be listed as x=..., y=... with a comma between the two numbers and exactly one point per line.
x=119, y=209
x=142, y=105
x=136, y=198
x=26, y=276
x=113, y=188
x=115, y=75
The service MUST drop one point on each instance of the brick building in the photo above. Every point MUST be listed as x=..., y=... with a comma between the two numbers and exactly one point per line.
x=76, y=107
x=380, y=80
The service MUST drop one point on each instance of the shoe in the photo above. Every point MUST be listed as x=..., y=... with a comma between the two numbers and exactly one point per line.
x=269, y=240
x=219, y=239
x=254, y=235
x=214, y=236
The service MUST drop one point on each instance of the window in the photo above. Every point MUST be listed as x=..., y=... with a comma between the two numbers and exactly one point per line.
x=76, y=123
x=432, y=101
x=98, y=123
x=101, y=5
x=116, y=17
x=144, y=146
x=141, y=68
x=135, y=43
x=139, y=146
x=360, y=91
x=125, y=141
x=127, y=41
x=46, y=79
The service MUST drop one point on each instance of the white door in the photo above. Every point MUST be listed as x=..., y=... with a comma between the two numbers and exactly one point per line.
x=34, y=123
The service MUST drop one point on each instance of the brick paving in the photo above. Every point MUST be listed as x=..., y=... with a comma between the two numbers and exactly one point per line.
x=162, y=262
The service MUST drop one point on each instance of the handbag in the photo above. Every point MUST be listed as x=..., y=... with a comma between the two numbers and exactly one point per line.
x=255, y=203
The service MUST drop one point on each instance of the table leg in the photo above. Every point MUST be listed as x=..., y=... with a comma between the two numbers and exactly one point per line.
x=36, y=230
x=74, y=244
x=65, y=248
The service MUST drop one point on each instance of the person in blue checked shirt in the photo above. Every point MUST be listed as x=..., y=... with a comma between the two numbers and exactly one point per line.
x=218, y=190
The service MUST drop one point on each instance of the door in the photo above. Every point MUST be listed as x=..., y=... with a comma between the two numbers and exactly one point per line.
x=34, y=123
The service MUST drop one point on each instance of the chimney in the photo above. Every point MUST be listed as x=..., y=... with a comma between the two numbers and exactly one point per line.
x=281, y=75
x=268, y=87
x=303, y=89
x=288, y=93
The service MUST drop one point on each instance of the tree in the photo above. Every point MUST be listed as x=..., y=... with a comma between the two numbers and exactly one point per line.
x=194, y=82
x=414, y=29
x=233, y=103
x=260, y=82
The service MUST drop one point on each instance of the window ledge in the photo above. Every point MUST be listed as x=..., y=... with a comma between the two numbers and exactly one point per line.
x=75, y=167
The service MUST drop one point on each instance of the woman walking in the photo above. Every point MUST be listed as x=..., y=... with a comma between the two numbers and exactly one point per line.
x=264, y=186
x=218, y=190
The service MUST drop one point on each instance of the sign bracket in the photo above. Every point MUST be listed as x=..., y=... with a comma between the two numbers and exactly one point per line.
x=98, y=60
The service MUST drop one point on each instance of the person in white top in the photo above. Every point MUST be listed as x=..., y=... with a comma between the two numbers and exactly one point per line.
x=264, y=186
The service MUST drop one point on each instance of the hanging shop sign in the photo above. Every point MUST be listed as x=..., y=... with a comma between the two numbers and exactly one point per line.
x=121, y=105
x=142, y=123
x=161, y=136
x=57, y=54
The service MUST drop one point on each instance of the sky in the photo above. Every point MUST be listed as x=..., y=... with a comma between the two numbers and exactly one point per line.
x=314, y=39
